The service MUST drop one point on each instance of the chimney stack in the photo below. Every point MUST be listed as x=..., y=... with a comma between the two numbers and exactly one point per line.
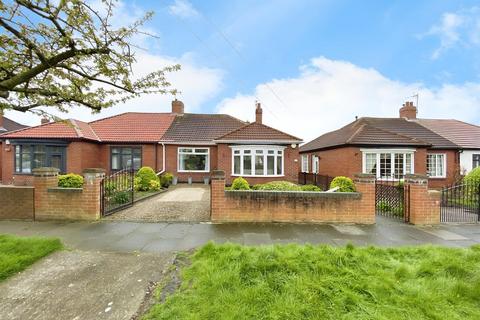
x=408, y=111
x=177, y=107
x=258, y=113
x=44, y=120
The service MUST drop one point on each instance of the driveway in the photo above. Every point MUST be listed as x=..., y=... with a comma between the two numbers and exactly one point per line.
x=181, y=203
x=79, y=285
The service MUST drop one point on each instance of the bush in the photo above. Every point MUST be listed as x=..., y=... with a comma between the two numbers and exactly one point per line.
x=154, y=185
x=166, y=179
x=310, y=187
x=240, y=184
x=70, y=180
x=473, y=176
x=278, y=186
x=385, y=207
x=345, y=184
x=122, y=197
x=144, y=177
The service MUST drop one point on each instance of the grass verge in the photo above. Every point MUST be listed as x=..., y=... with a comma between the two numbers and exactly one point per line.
x=17, y=253
x=323, y=282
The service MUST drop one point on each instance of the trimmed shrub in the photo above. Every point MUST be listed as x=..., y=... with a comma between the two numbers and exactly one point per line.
x=70, y=180
x=473, y=176
x=144, y=177
x=166, y=179
x=345, y=184
x=278, y=186
x=240, y=184
x=121, y=197
x=311, y=187
x=154, y=185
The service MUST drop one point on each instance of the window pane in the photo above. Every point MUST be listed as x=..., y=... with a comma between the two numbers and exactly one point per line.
x=126, y=151
x=137, y=162
x=247, y=165
x=193, y=162
x=115, y=150
x=56, y=161
x=201, y=150
x=399, y=162
x=56, y=149
x=185, y=150
x=126, y=161
x=385, y=165
x=247, y=151
x=115, y=162
x=38, y=160
x=259, y=165
x=304, y=163
x=26, y=165
x=408, y=163
x=371, y=163
x=440, y=168
x=271, y=165
x=279, y=165
x=271, y=151
x=476, y=161
x=236, y=165
x=236, y=151
x=259, y=151
x=18, y=159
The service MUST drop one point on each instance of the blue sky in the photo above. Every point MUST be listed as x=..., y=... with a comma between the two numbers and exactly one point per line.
x=315, y=64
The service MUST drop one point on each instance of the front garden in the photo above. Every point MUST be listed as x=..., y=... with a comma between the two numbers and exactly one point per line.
x=339, y=184
x=18, y=253
x=323, y=282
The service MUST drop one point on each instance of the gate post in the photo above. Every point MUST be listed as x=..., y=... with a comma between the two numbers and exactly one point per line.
x=43, y=179
x=365, y=184
x=424, y=203
x=91, y=188
x=217, y=195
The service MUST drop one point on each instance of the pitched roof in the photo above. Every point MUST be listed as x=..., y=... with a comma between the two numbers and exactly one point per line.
x=190, y=127
x=380, y=132
x=10, y=125
x=463, y=134
x=258, y=132
x=67, y=129
x=133, y=127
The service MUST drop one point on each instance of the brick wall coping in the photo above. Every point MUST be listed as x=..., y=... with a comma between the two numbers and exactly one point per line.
x=295, y=194
x=15, y=187
x=45, y=172
x=218, y=175
x=60, y=189
x=93, y=170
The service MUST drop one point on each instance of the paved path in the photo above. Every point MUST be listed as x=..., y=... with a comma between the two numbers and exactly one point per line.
x=179, y=203
x=163, y=237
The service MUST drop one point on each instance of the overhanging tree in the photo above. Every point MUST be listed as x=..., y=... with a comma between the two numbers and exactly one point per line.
x=67, y=53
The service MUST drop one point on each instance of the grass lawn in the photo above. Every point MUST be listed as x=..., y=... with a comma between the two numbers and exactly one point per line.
x=323, y=282
x=17, y=253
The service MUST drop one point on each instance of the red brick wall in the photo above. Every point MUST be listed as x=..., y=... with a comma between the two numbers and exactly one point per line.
x=268, y=206
x=347, y=161
x=16, y=203
x=424, y=203
x=291, y=166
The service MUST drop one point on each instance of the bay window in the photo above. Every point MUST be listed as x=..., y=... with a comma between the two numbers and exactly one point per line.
x=31, y=156
x=257, y=161
x=385, y=164
x=436, y=165
x=193, y=159
x=125, y=158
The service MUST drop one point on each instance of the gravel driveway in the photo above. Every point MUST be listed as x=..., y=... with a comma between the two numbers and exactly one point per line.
x=79, y=285
x=181, y=203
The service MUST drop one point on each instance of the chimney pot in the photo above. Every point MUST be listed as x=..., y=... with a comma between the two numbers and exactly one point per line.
x=258, y=113
x=44, y=120
x=178, y=107
x=408, y=111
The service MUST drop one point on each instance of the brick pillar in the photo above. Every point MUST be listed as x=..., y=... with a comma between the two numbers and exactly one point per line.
x=43, y=179
x=91, y=191
x=217, y=195
x=424, y=203
x=365, y=184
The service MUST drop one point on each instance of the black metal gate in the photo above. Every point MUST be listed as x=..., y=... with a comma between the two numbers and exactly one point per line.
x=461, y=203
x=392, y=199
x=117, y=191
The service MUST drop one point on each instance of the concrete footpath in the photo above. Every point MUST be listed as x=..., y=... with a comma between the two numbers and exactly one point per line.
x=119, y=236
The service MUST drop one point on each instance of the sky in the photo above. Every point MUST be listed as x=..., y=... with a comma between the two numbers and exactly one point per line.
x=313, y=65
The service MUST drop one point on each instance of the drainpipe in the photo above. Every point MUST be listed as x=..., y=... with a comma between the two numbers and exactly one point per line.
x=163, y=160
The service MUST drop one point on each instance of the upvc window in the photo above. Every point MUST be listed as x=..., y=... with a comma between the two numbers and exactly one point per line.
x=475, y=161
x=31, y=156
x=125, y=157
x=385, y=164
x=257, y=161
x=304, y=163
x=436, y=165
x=193, y=159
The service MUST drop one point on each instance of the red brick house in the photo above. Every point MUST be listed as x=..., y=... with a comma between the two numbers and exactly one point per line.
x=7, y=125
x=185, y=144
x=390, y=148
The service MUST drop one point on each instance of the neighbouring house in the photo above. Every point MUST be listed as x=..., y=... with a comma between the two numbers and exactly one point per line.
x=7, y=125
x=393, y=147
x=187, y=145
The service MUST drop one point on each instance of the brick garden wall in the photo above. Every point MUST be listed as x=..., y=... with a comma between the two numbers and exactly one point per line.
x=274, y=206
x=16, y=203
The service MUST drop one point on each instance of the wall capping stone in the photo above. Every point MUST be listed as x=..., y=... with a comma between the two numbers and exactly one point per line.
x=45, y=172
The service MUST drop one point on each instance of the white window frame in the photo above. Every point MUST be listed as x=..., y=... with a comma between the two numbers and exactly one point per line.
x=392, y=153
x=315, y=164
x=444, y=175
x=305, y=163
x=253, y=149
x=207, y=162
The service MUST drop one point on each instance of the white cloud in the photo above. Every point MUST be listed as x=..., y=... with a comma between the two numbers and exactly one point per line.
x=183, y=9
x=328, y=94
x=456, y=28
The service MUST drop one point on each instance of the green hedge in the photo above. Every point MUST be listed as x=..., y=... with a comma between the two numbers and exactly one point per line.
x=240, y=184
x=345, y=184
x=166, y=179
x=70, y=180
x=278, y=186
x=146, y=180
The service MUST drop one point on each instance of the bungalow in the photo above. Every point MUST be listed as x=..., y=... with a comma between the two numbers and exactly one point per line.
x=393, y=147
x=187, y=145
x=7, y=125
